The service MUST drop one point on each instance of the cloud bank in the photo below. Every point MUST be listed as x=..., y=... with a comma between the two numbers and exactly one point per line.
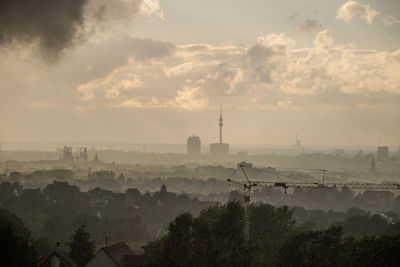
x=271, y=73
x=352, y=9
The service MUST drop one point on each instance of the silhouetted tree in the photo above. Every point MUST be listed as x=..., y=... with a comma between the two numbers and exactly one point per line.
x=15, y=242
x=82, y=247
x=270, y=228
x=216, y=237
x=314, y=248
x=373, y=251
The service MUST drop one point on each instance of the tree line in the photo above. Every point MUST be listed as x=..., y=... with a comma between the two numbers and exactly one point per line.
x=215, y=238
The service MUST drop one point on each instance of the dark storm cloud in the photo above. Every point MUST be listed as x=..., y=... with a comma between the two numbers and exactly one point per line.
x=54, y=24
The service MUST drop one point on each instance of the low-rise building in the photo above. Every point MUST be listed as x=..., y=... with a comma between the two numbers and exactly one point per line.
x=57, y=258
x=117, y=255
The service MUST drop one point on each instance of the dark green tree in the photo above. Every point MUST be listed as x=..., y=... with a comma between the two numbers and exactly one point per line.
x=314, y=248
x=374, y=251
x=15, y=242
x=82, y=247
x=216, y=238
x=270, y=228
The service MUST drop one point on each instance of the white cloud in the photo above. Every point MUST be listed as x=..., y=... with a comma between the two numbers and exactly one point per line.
x=191, y=98
x=267, y=74
x=121, y=79
x=188, y=67
x=123, y=9
x=323, y=39
x=152, y=7
x=132, y=81
x=390, y=20
x=352, y=9
x=131, y=102
x=86, y=91
x=227, y=77
x=285, y=103
x=273, y=39
x=263, y=59
x=394, y=57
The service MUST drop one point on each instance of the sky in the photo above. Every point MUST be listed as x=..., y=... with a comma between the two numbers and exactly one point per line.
x=159, y=71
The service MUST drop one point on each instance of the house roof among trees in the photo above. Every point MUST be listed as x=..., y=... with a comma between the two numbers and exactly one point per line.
x=62, y=255
x=117, y=252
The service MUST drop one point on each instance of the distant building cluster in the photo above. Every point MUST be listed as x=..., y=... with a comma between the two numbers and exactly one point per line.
x=217, y=150
x=102, y=175
x=68, y=153
x=193, y=145
x=80, y=155
x=382, y=156
x=382, y=153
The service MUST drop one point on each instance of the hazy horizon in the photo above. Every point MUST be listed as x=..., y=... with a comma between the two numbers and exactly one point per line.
x=178, y=147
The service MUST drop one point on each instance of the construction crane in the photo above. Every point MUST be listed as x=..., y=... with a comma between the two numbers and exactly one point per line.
x=247, y=185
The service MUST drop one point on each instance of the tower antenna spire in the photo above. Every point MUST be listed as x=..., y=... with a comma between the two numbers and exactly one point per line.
x=221, y=123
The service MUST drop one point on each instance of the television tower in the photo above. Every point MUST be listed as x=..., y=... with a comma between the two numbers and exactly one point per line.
x=221, y=123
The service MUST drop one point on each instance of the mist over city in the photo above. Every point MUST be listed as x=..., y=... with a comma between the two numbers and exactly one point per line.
x=199, y=133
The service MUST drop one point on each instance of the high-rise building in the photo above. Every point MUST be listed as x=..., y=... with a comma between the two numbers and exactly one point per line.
x=82, y=154
x=193, y=145
x=298, y=143
x=373, y=164
x=297, y=147
x=382, y=153
x=68, y=153
x=219, y=149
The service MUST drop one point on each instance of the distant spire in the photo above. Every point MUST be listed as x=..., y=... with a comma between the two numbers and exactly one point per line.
x=373, y=164
x=221, y=123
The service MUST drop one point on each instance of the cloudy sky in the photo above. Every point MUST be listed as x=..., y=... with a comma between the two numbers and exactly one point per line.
x=159, y=70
